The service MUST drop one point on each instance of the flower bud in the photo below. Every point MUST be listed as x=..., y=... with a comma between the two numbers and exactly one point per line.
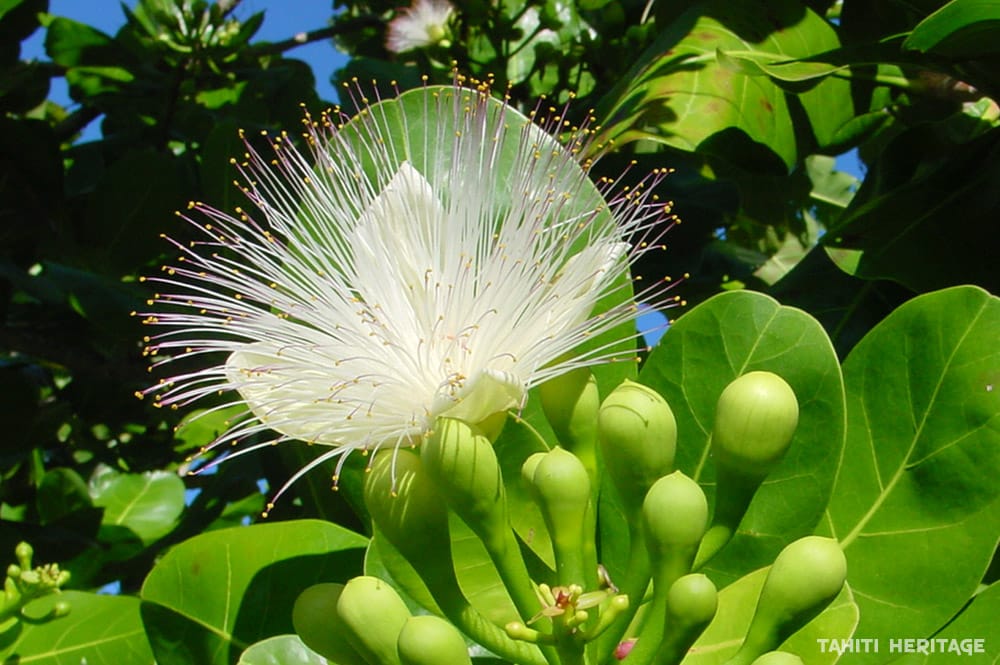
x=562, y=488
x=571, y=402
x=24, y=553
x=374, y=615
x=805, y=577
x=778, y=658
x=638, y=437
x=405, y=505
x=675, y=516
x=430, y=640
x=318, y=625
x=463, y=465
x=676, y=618
x=692, y=600
x=755, y=419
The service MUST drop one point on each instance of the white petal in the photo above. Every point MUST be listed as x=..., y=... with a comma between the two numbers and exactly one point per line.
x=274, y=389
x=487, y=393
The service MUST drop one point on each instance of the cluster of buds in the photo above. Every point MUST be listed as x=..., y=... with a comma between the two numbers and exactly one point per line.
x=25, y=583
x=577, y=615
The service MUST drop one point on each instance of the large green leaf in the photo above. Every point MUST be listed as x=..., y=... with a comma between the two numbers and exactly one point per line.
x=99, y=630
x=975, y=632
x=923, y=217
x=915, y=505
x=213, y=596
x=962, y=28
x=683, y=94
x=281, y=650
x=147, y=504
x=737, y=603
x=729, y=335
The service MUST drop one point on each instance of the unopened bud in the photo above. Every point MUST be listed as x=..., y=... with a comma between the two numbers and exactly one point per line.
x=374, y=615
x=405, y=505
x=318, y=625
x=675, y=515
x=638, y=437
x=430, y=640
x=562, y=488
x=463, y=465
x=805, y=577
x=755, y=419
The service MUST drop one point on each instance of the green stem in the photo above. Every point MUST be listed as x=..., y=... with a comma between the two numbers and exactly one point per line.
x=635, y=584
x=468, y=619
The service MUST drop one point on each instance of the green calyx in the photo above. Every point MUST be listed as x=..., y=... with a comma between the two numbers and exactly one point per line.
x=561, y=487
x=805, y=577
x=571, y=402
x=373, y=615
x=462, y=464
x=675, y=515
x=755, y=419
x=692, y=601
x=318, y=625
x=638, y=437
x=430, y=640
x=405, y=504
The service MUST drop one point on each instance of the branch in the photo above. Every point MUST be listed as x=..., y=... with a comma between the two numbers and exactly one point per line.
x=303, y=38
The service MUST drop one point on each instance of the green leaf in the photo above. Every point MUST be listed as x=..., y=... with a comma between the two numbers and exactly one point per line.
x=99, y=630
x=133, y=204
x=729, y=335
x=61, y=492
x=923, y=216
x=681, y=94
x=917, y=486
x=737, y=602
x=961, y=28
x=978, y=621
x=211, y=597
x=281, y=650
x=147, y=504
x=70, y=43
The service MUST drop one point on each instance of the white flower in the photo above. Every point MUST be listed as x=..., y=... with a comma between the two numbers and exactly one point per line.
x=423, y=24
x=437, y=255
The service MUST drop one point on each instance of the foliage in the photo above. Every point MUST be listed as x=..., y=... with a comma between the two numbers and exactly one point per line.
x=878, y=309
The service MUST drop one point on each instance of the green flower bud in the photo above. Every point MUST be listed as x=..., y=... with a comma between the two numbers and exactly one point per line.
x=405, y=505
x=562, y=487
x=318, y=625
x=675, y=618
x=778, y=658
x=692, y=600
x=463, y=465
x=638, y=437
x=806, y=576
x=24, y=553
x=409, y=511
x=374, y=616
x=430, y=640
x=755, y=419
x=675, y=516
x=571, y=402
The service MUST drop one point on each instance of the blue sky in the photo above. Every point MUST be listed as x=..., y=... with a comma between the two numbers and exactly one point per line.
x=283, y=19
